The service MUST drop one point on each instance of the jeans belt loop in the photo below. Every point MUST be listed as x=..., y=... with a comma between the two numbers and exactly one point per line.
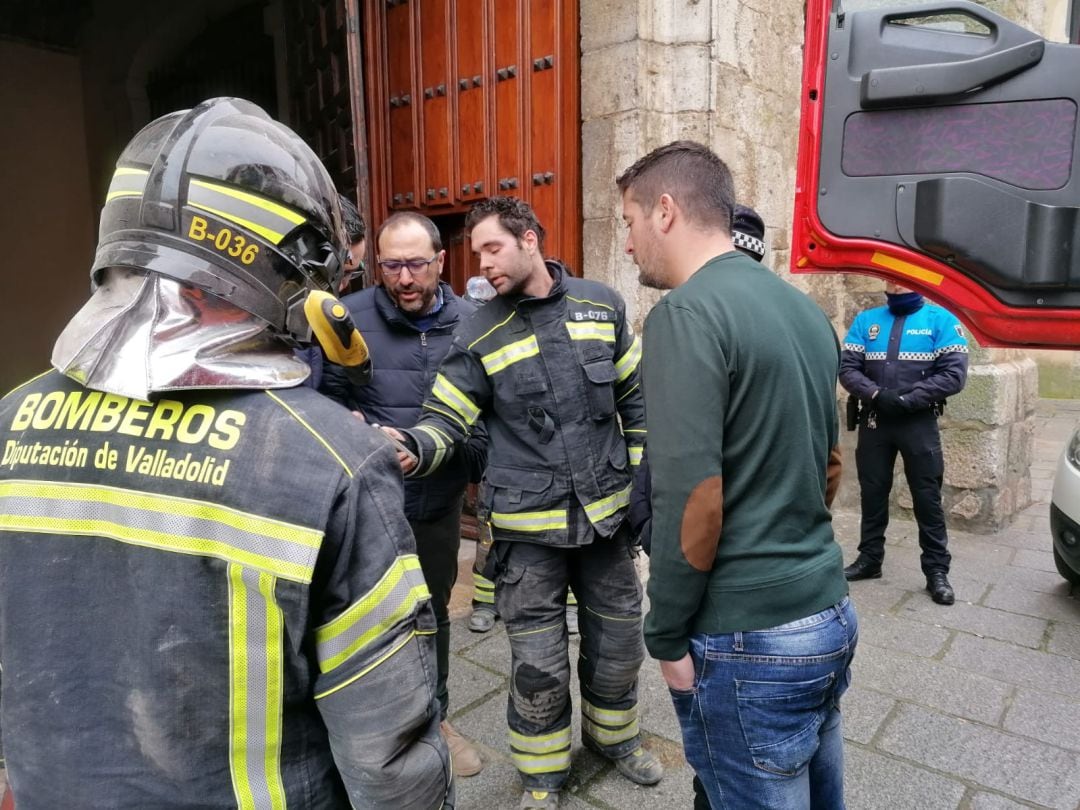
x=840, y=613
x=737, y=645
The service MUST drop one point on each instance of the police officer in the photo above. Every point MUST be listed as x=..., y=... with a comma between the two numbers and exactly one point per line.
x=551, y=365
x=209, y=594
x=902, y=361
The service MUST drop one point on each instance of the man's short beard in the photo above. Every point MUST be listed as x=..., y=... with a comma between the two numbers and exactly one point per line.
x=650, y=278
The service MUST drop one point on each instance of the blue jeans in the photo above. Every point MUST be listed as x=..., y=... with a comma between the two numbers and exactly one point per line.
x=761, y=725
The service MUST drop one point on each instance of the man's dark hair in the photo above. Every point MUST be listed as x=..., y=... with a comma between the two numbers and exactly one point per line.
x=514, y=215
x=355, y=230
x=695, y=177
x=399, y=218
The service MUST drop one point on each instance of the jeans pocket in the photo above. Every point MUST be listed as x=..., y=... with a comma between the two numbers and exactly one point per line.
x=780, y=720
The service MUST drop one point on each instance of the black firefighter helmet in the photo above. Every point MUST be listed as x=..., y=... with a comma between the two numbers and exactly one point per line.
x=223, y=198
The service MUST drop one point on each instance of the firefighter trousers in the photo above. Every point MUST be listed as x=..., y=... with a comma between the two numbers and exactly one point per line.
x=531, y=589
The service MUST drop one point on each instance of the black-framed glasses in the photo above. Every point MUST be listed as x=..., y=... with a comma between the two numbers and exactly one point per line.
x=393, y=267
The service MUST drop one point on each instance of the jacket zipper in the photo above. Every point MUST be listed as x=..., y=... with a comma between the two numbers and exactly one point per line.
x=423, y=338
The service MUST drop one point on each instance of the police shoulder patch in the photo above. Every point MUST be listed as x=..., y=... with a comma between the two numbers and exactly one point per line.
x=874, y=331
x=959, y=329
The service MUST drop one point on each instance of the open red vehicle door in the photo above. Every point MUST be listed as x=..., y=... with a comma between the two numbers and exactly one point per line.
x=939, y=149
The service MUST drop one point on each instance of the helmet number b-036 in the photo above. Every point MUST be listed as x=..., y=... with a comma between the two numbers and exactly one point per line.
x=224, y=240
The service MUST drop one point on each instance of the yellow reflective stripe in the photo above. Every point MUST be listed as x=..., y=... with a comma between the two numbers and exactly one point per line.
x=541, y=763
x=256, y=690
x=380, y=660
x=482, y=582
x=591, y=330
x=437, y=436
x=238, y=690
x=503, y=322
x=642, y=431
x=628, y=393
x=509, y=354
x=127, y=182
x=448, y=414
x=610, y=717
x=265, y=217
x=593, y=303
x=394, y=598
x=598, y=510
x=635, y=454
x=608, y=736
x=453, y=397
x=275, y=691
x=312, y=431
x=626, y=364
x=530, y=521
x=540, y=743
x=571, y=598
x=129, y=516
x=538, y=630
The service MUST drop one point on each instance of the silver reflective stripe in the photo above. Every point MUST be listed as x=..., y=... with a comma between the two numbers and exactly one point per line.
x=255, y=690
x=606, y=507
x=629, y=361
x=163, y=522
x=500, y=359
x=258, y=214
x=393, y=599
x=127, y=182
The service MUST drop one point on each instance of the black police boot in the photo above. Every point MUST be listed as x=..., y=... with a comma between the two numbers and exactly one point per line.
x=862, y=568
x=940, y=589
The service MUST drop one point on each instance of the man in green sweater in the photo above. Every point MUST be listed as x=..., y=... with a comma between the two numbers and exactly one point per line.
x=749, y=616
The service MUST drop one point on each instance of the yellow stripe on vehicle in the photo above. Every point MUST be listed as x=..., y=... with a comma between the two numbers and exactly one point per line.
x=907, y=268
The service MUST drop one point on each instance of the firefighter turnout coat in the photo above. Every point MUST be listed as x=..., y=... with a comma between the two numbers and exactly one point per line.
x=210, y=600
x=556, y=380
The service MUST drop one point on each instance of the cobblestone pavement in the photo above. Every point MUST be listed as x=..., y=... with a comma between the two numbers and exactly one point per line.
x=969, y=707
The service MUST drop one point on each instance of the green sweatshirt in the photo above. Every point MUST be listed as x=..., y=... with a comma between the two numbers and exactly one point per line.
x=740, y=396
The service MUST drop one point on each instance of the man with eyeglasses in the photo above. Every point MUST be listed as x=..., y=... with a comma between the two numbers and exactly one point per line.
x=551, y=365
x=408, y=320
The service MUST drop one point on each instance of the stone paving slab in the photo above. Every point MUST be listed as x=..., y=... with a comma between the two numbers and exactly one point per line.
x=1026, y=631
x=1016, y=665
x=930, y=683
x=1051, y=718
x=873, y=781
x=1015, y=766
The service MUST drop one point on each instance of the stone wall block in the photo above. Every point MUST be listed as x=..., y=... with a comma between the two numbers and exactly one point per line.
x=676, y=21
x=610, y=80
x=990, y=396
x=975, y=458
x=605, y=23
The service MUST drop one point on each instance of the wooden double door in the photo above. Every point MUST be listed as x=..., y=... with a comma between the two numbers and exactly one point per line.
x=466, y=99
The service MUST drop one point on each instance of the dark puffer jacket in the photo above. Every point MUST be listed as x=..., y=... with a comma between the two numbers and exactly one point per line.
x=404, y=362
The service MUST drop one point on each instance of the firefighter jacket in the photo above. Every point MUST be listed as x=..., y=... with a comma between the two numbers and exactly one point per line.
x=210, y=600
x=556, y=380
x=404, y=361
x=922, y=355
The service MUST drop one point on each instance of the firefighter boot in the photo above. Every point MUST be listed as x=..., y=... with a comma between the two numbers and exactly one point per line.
x=640, y=767
x=539, y=800
x=463, y=756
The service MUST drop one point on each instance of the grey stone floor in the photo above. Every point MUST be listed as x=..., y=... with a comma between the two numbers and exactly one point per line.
x=970, y=707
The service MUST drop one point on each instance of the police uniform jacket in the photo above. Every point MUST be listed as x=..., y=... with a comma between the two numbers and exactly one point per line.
x=209, y=600
x=556, y=380
x=922, y=355
x=404, y=360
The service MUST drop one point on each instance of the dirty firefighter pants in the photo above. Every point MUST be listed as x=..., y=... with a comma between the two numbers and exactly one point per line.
x=531, y=585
